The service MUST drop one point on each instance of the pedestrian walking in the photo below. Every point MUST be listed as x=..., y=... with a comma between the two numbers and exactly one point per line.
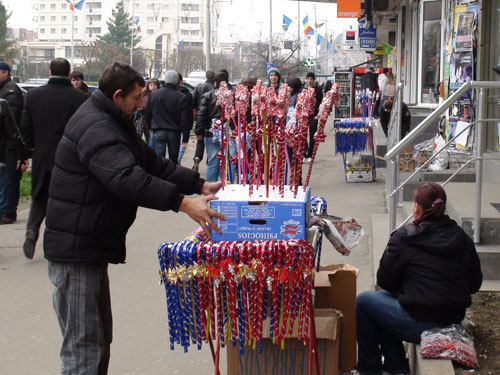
x=10, y=173
x=386, y=116
x=427, y=273
x=48, y=108
x=368, y=82
x=313, y=120
x=77, y=78
x=152, y=85
x=169, y=117
x=209, y=111
x=201, y=89
x=103, y=172
x=189, y=97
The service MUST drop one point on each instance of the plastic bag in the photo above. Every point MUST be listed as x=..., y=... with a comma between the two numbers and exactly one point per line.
x=452, y=342
x=440, y=163
x=344, y=234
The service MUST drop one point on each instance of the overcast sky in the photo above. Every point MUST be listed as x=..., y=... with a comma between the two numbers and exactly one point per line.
x=245, y=19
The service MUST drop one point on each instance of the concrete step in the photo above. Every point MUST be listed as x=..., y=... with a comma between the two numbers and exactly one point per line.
x=461, y=208
x=489, y=255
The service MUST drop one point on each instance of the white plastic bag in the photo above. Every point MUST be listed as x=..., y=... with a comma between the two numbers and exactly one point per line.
x=440, y=163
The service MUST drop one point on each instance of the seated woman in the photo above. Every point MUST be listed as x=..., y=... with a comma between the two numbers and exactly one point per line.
x=428, y=272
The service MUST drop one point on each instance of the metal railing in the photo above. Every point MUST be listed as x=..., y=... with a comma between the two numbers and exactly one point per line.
x=392, y=156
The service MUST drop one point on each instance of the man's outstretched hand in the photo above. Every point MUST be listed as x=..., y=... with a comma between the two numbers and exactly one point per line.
x=198, y=210
x=210, y=188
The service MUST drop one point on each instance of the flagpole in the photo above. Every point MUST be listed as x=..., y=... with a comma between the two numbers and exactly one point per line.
x=72, y=37
x=317, y=33
x=270, y=31
x=298, y=29
x=132, y=36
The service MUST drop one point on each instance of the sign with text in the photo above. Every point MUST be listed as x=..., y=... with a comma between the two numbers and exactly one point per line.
x=350, y=37
x=367, y=37
x=348, y=8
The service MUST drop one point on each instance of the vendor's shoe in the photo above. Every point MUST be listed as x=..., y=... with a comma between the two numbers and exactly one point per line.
x=30, y=243
x=7, y=219
x=196, y=165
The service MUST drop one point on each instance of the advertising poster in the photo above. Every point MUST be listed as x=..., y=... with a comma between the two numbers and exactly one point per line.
x=465, y=31
x=367, y=37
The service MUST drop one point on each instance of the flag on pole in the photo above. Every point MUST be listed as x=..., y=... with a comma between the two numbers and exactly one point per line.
x=137, y=24
x=286, y=22
x=386, y=48
x=308, y=30
x=181, y=45
x=70, y=4
x=79, y=5
x=319, y=39
x=318, y=25
x=330, y=39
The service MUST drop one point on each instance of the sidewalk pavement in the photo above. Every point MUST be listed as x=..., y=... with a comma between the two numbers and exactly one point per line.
x=29, y=333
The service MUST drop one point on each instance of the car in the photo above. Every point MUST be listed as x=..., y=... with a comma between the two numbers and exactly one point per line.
x=28, y=86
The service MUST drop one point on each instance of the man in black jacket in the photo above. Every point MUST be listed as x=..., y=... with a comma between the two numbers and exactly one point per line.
x=169, y=117
x=103, y=172
x=313, y=121
x=47, y=110
x=189, y=97
x=201, y=89
x=208, y=111
x=10, y=174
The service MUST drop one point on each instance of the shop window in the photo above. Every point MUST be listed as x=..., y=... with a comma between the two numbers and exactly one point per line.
x=431, y=40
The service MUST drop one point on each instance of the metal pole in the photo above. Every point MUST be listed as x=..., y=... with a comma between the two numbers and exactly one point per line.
x=132, y=36
x=317, y=35
x=399, y=44
x=72, y=37
x=207, y=36
x=298, y=30
x=479, y=143
x=270, y=31
x=394, y=198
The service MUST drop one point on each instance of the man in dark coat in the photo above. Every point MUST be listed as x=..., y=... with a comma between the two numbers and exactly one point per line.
x=369, y=81
x=168, y=115
x=313, y=121
x=47, y=110
x=11, y=173
x=184, y=91
x=201, y=89
x=103, y=172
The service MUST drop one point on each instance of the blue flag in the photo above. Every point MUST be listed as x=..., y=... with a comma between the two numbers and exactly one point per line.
x=181, y=44
x=318, y=41
x=79, y=5
x=286, y=21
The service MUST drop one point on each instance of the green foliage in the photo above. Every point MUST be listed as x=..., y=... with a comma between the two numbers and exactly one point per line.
x=25, y=185
x=7, y=51
x=119, y=30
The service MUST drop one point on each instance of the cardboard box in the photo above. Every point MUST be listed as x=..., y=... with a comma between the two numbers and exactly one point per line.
x=259, y=217
x=294, y=358
x=359, y=174
x=334, y=304
x=421, y=157
x=335, y=288
x=406, y=161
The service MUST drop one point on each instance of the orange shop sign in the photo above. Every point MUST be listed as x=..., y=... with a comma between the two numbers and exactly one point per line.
x=348, y=8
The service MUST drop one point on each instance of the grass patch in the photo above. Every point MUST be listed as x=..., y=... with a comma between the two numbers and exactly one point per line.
x=25, y=186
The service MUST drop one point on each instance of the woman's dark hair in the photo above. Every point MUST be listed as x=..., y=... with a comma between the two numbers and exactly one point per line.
x=295, y=84
x=328, y=86
x=119, y=76
x=77, y=75
x=249, y=82
x=432, y=198
x=152, y=80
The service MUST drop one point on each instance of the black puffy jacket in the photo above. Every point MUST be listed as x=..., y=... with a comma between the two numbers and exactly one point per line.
x=10, y=134
x=102, y=173
x=433, y=269
x=207, y=110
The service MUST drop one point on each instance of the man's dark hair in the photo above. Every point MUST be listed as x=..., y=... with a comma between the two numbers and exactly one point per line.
x=76, y=74
x=60, y=67
x=311, y=74
x=386, y=70
x=119, y=76
x=210, y=74
x=295, y=84
x=180, y=77
x=220, y=77
x=226, y=73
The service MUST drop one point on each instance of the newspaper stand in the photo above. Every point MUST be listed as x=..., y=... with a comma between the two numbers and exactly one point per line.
x=354, y=140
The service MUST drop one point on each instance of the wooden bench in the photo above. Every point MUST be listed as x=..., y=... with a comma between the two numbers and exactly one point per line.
x=422, y=366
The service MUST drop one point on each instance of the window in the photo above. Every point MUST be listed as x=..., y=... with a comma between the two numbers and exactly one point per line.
x=195, y=19
x=150, y=31
x=52, y=18
x=63, y=30
x=184, y=19
x=42, y=31
x=42, y=6
x=164, y=6
x=63, y=6
x=42, y=18
x=150, y=6
x=164, y=19
x=151, y=19
x=63, y=18
x=195, y=7
x=185, y=32
x=185, y=6
x=52, y=6
x=52, y=31
x=195, y=32
x=430, y=47
x=76, y=18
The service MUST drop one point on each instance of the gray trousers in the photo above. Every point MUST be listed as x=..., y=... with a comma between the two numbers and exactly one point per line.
x=83, y=306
